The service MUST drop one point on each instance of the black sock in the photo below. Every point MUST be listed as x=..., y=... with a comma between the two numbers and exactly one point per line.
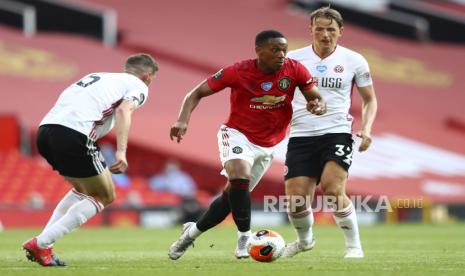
x=216, y=213
x=239, y=200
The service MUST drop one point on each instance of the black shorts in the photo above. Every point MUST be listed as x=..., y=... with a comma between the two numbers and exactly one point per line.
x=70, y=152
x=307, y=156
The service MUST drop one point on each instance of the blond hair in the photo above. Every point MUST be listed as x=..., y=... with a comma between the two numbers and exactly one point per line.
x=329, y=13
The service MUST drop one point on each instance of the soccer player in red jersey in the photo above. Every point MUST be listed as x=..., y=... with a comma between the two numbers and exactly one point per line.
x=262, y=90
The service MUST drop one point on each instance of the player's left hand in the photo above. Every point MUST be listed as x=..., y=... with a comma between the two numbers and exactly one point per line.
x=316, y=107
x=366, y=140
x=121, y=164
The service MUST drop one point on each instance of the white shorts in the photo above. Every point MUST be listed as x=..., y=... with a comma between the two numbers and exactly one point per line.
x=232, y=144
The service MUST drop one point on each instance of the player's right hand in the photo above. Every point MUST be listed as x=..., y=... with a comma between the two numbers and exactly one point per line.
x=121, y=164
x=316, y=107
x=178, y=130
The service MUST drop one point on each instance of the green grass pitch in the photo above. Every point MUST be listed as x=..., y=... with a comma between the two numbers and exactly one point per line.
x=389, y=250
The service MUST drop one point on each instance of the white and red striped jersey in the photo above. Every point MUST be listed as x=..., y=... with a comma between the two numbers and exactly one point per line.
x=335, y=76
x=88, y=105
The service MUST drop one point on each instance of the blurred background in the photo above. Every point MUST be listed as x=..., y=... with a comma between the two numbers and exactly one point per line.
x=416, y=51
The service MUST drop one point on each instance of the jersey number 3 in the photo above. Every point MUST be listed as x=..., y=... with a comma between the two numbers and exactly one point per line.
x=88, y=80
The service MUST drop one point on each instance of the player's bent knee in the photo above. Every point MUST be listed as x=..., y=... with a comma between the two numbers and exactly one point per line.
x=106, y=199
x=109, y=199
x=299, y=198
x=296, y=190
x=331, y=190
x=333, y=180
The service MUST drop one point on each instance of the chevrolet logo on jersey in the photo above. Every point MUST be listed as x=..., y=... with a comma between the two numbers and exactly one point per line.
x=268, y=99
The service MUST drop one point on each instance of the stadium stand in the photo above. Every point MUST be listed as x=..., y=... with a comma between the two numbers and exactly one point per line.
x=418, y=85
x=20, y=15
x=43, y=15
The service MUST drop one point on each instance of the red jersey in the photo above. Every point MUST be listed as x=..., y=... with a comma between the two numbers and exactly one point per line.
x=261, y=106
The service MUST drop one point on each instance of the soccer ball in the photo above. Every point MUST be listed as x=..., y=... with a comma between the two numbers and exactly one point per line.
x=265, y=246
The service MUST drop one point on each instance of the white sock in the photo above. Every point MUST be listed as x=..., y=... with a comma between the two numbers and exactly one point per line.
x=346, y=219
x=194, y=232
x=77, y=215
x=71, y=198
x=303, y=222
x=246, y=233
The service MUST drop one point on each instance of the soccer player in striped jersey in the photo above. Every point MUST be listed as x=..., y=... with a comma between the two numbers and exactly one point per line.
x=320, y=148
x=86, y=111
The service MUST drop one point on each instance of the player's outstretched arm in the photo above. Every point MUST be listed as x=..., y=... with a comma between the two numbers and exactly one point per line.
x=369, y=109
x=315, y=103
x=192, y=99
x=123, y=115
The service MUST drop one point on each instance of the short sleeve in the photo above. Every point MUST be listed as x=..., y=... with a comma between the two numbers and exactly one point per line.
x=362, y=73
x=138, y=93
x=226, y=77
x=304, y=78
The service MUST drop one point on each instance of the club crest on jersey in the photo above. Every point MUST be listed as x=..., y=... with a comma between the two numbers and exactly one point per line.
x=338, y=69
x=284, y=83
x=321, y=68
x=237, y=150
x=218, y=74
x=267, y=86
x=269, y=99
